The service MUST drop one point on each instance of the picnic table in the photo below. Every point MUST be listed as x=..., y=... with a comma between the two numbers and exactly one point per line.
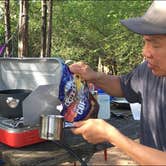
x=53, y=153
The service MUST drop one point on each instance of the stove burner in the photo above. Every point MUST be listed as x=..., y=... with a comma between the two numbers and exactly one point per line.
x=14, y=123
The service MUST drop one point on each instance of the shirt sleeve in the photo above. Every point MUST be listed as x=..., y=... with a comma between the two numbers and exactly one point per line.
x=131, y=84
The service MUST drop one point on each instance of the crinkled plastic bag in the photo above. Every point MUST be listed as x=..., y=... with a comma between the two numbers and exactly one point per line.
x=77, y=101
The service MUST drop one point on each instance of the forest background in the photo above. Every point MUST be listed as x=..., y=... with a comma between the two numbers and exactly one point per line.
x=83, y=30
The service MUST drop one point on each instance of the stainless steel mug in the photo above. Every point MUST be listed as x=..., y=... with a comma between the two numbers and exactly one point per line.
x=51, y=127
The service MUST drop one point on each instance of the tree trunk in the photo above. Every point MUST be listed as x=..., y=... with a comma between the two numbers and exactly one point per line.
x=23, y=29
x=7, y=27
x=43, y=28
x=100, y=66
x=49, y=30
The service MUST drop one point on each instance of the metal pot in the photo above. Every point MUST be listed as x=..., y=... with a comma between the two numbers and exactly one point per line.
x=11, y=102
x=51, y=127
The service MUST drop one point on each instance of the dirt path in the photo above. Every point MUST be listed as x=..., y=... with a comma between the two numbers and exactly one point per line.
x=114, y=157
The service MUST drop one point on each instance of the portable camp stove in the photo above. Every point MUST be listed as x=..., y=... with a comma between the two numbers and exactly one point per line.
x=19, y=122
x=13, y=133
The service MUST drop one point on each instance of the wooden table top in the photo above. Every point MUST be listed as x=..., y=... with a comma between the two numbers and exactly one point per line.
x=50, y=153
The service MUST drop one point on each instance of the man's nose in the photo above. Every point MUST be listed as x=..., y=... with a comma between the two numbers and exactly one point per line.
x=146, y=52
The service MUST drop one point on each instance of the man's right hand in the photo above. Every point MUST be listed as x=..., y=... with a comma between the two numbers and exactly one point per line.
x=84, y=71
x=110, y=84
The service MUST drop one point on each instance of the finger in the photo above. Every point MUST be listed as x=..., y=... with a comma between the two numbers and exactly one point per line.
x=80, y=63
x=78, y=127
x=76, y=66
x=73, y=68
x=76, y=131
x=78, y=124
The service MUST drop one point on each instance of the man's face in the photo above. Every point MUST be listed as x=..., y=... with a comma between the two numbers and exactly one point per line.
x=154, y=51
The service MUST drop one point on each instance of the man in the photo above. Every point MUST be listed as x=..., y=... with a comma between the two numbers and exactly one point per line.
x=146, y=84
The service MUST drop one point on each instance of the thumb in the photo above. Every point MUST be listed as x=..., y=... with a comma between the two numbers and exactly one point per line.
x=78, y=124
x=77, y=127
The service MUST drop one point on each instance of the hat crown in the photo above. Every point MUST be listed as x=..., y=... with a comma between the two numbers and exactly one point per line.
x=153, y=22
x=156, y=13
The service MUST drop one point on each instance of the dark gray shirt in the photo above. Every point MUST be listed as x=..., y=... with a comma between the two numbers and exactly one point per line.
x=142, y=86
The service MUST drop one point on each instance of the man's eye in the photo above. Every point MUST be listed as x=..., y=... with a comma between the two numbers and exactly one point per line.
x=156, y=46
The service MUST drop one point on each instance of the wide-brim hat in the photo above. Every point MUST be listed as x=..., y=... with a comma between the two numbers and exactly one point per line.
x=153, y=22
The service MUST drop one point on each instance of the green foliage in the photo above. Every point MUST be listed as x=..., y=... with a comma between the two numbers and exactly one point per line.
x=34, y=28
x=86, y=30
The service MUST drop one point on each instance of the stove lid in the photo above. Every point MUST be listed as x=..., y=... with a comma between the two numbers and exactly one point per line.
x=28, y=73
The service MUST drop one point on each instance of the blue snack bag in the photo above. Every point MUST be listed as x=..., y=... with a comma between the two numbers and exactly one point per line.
x=74, y=96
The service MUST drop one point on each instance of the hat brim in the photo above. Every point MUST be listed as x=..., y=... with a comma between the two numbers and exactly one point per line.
x=141, y=26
